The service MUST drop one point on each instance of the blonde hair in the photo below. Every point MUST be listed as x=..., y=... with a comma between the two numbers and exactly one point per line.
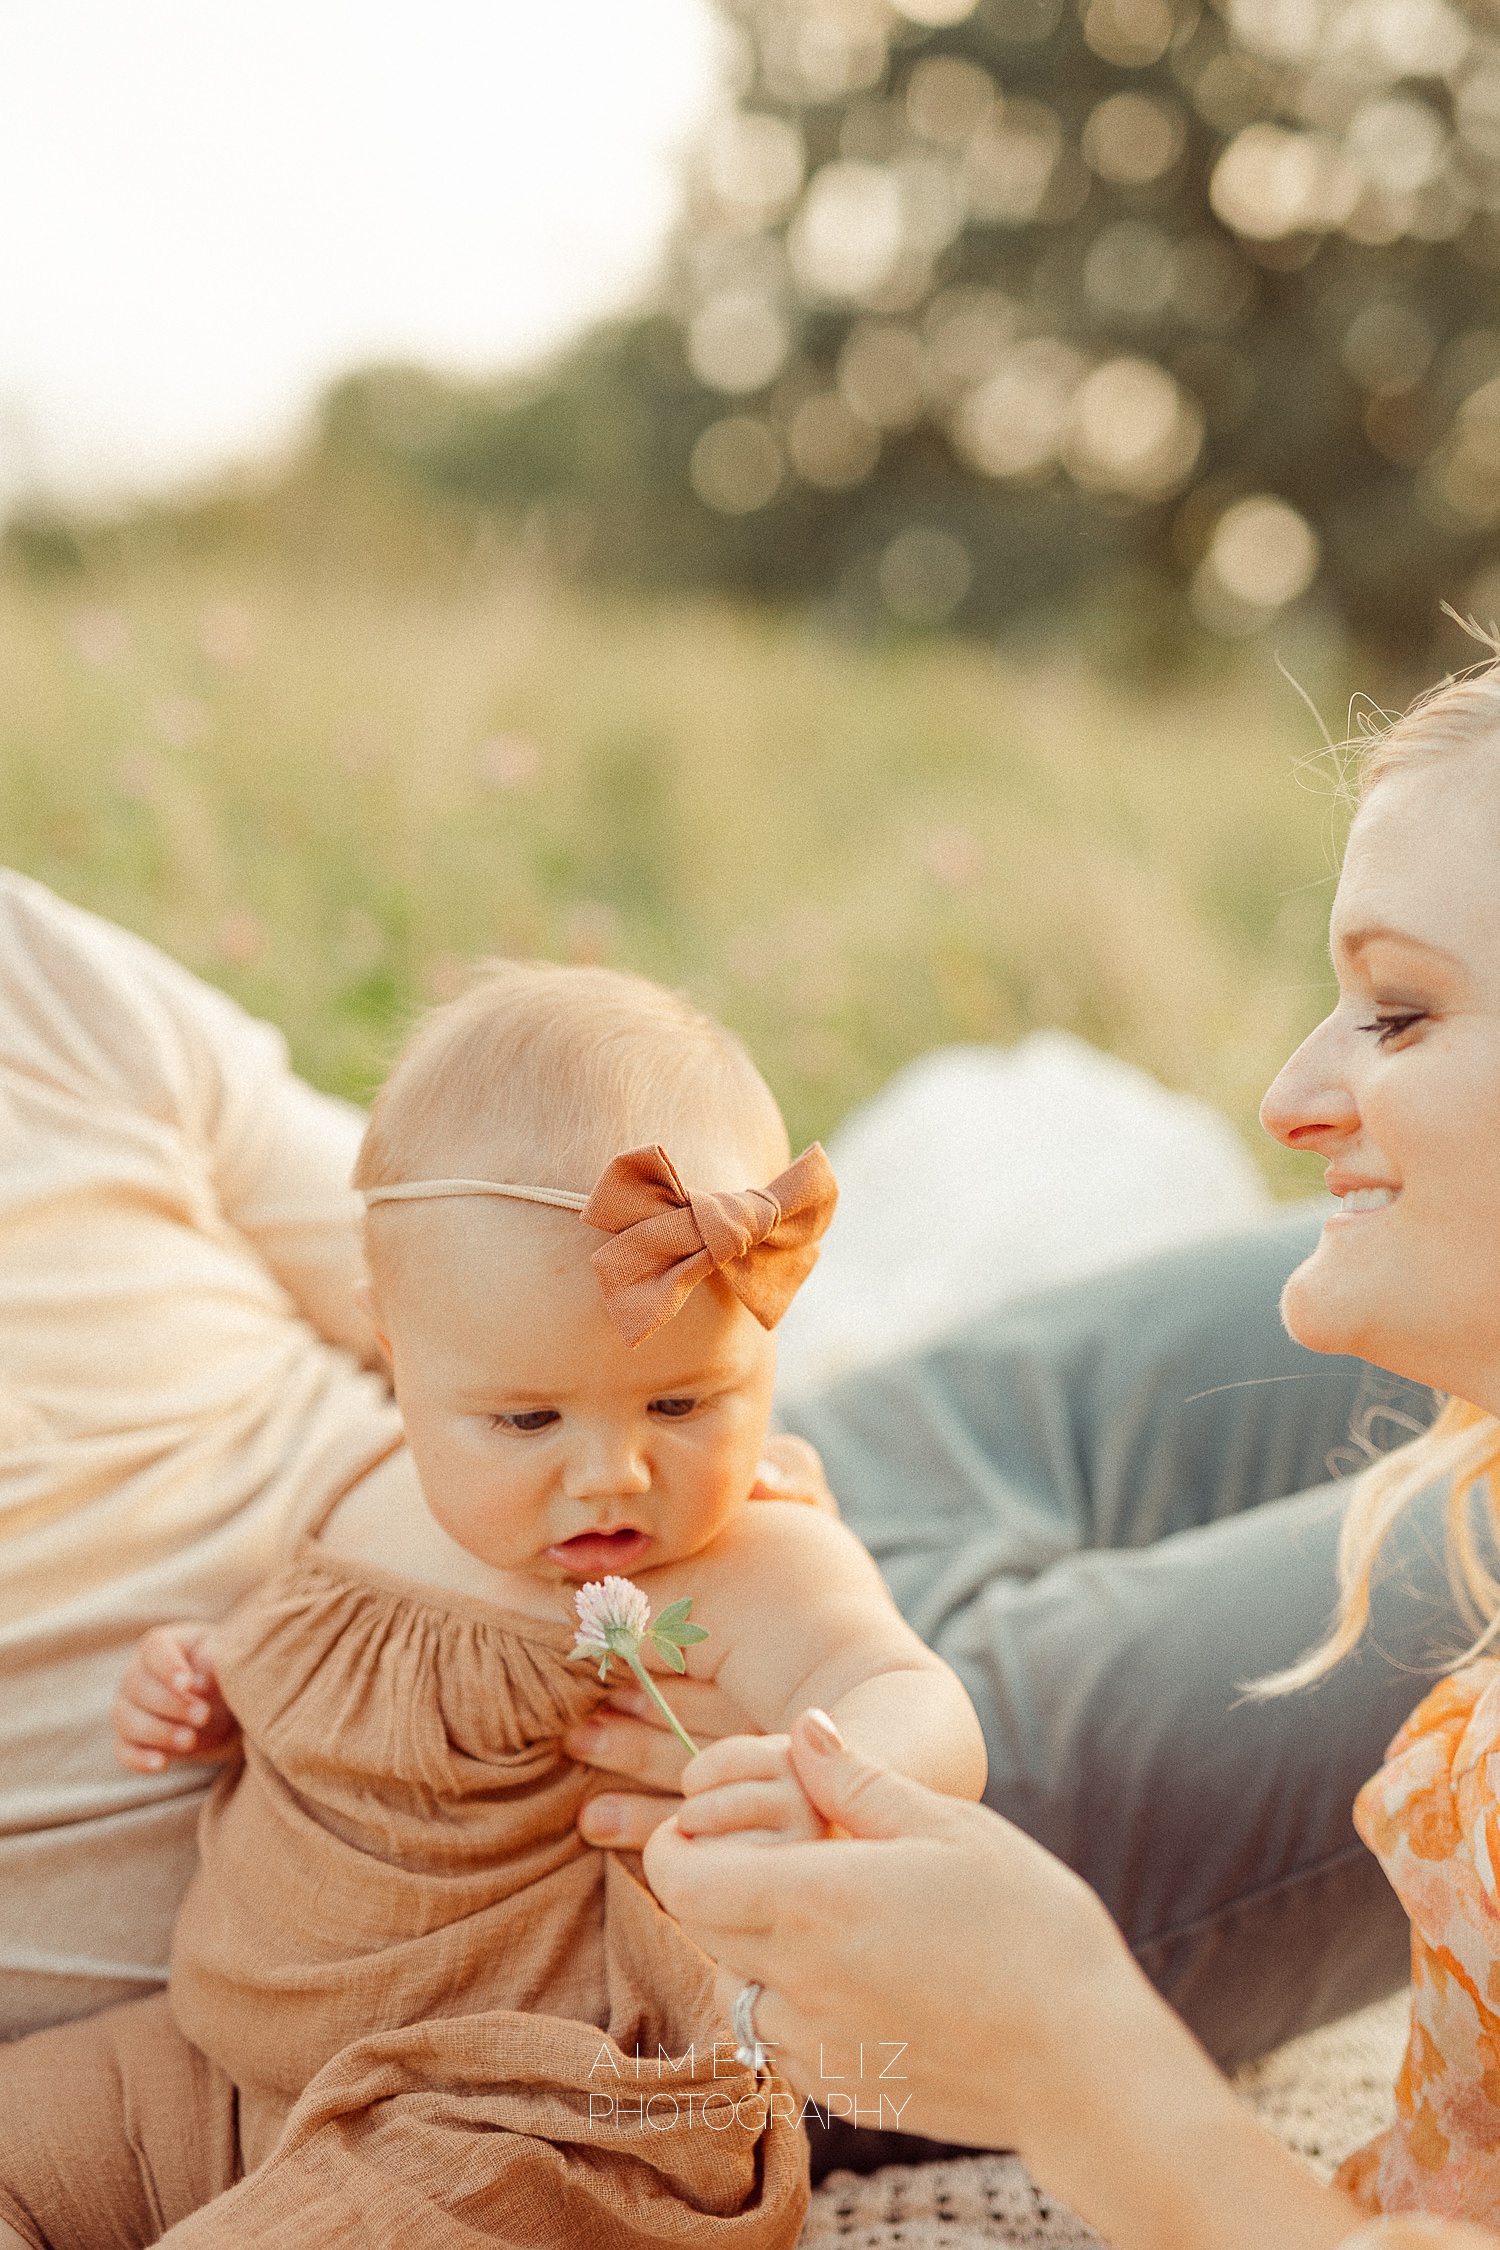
x=546, y=1073
x=1463, y=1444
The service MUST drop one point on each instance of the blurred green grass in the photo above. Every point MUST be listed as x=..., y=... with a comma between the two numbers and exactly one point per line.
x=325, y=788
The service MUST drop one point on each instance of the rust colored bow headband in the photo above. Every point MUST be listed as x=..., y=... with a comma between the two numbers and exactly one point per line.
x=666, y=1239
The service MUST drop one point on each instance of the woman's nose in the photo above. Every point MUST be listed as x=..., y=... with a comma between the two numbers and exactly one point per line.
x=1309, y=1103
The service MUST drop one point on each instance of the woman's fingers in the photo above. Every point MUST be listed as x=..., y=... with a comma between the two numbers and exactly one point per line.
x=719, y=1890
x=791, y=1469
x=705, y=1709
x=627, y=1736
x=833, y=2073
x=738, y=1757
x=613, y=1743
x=623, y=1823
x=858, y=1796
x=770, y=1806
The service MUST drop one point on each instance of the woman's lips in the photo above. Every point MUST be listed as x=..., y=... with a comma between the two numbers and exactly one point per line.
x=593, y=1551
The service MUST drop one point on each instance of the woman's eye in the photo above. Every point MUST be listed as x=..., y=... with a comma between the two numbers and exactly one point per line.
x=1387, y=1028
x=535, y=1418
x=673, y=1409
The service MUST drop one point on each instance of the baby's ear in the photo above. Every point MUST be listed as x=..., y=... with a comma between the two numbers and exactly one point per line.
x=369, y=1305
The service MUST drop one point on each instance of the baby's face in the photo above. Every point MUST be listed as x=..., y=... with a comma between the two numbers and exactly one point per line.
x=546, y=1444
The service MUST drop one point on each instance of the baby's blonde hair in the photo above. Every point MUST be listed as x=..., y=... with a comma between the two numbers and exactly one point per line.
x=542, y=1074
x=1460, y=715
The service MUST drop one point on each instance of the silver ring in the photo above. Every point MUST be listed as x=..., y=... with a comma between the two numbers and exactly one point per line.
x=749, y=2050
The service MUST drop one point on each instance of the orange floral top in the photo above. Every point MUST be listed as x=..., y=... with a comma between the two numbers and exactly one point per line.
x=1432, y=1817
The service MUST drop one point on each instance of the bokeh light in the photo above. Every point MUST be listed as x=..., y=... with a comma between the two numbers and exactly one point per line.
x=1131, y=139
x=882, y=373
x=1387, y=347
x=948, y=99
x=847, y=236
x=754, y=166
x=1012, y=425
x=831, y=446
x=936, y=14
x=1129, y=32
x=1132, y=429
x=737, y=342
x=1008, y=165
x=924, y=574
x=1262, y=556
x=737, y=465
x=1130, y=273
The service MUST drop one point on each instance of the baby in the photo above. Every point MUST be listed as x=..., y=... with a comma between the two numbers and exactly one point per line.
x=407, y=2001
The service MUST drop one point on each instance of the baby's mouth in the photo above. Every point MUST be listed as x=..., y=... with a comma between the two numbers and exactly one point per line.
x=590, y=1552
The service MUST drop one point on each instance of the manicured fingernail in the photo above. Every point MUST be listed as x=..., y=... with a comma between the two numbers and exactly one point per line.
x=182, y=1681
x=184, y=1737
x=599, y=1824
x=825, y=1735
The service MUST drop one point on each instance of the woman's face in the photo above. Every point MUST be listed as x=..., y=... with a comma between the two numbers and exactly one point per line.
x=1400, y=1088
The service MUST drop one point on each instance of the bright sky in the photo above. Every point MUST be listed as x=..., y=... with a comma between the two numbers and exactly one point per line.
x=209, y=207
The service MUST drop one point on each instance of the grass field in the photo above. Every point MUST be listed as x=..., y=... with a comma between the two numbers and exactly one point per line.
x=326, y=788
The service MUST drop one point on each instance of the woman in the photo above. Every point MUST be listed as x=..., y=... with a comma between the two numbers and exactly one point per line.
x=943, y=1938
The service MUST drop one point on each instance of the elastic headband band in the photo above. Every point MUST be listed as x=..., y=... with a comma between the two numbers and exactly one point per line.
x=665, y=1239
x=419, y=1191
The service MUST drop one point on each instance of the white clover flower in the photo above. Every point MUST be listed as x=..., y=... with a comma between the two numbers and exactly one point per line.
x=611, y=1613
x=614, y=1618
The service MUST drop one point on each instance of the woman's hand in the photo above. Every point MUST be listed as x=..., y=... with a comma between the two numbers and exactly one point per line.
x=933, y=1968
x=628, y=1736
x=747, y=1786
x=946, y=1944
x=169, y=1706
x=791, y=1469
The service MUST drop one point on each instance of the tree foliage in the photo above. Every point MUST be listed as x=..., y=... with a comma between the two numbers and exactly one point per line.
x=973, y=307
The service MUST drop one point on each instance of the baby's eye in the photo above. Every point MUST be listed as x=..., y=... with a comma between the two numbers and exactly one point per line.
x=673, y=1409
x=1389, y=1027
x=534, y=1418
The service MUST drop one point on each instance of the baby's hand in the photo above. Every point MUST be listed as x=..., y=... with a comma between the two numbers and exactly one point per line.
x=169, y=1705
x=745, y=1784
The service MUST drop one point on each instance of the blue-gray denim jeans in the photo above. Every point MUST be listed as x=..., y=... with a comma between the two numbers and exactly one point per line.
x=1108, y=1506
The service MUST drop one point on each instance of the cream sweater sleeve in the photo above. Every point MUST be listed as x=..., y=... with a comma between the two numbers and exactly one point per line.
x=107, y=1016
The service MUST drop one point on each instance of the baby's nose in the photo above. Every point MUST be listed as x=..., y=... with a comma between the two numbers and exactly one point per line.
x=606, y=1465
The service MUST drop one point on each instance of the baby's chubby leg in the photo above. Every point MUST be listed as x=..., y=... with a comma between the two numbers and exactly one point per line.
x=114, y=2128
x=746, y=1785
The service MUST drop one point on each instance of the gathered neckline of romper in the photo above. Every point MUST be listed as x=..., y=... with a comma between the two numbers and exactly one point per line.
x=553, y=1634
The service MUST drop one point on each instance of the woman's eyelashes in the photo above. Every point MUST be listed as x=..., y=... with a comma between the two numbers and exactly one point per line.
x=1390, y=1026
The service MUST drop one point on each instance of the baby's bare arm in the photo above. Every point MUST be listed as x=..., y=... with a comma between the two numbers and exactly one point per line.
x=814, y=1627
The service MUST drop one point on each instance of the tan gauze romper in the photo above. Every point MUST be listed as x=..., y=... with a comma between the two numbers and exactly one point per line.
x=407, y=2003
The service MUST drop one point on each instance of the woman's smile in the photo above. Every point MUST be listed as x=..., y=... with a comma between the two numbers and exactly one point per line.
x=1359, y=1202
x=1399, y=1089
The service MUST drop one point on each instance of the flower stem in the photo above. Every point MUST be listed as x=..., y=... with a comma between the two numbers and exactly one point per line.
x=662, y=1705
